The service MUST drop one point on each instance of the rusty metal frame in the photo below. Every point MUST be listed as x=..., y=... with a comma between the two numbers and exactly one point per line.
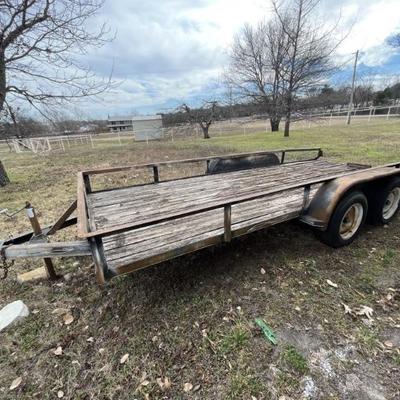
x=328, y=195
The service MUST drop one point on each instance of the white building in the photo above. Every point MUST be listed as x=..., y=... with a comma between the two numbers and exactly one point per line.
x=144, y=127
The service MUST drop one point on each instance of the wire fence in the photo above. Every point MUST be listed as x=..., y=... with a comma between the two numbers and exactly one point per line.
x=235, y=126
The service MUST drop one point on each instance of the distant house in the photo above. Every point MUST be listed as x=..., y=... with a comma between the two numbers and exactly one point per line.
x=144, y=127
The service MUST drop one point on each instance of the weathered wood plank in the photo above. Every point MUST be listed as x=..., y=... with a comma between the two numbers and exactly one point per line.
x=61, y=249
x=60, y=222
x=178, y=207
x=82, y=225
x=121, y=254
x=160, y=205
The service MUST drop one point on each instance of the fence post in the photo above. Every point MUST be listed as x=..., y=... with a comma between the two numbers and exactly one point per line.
x=370, y=113
x=91, y=141
x=387, y=116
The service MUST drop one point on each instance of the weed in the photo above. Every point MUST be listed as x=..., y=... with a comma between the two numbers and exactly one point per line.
x=294, y=360
x=235, y=340
x=242, y=386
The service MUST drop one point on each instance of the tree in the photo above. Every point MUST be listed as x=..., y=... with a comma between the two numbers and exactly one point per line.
x=256, y=61
x=41, y=48
x=307, y=60
x=4, y=179
x=203, y=116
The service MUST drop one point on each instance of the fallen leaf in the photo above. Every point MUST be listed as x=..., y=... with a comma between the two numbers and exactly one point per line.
x=388, y=344
x=60, y=311
x=15, y=383
x=187, y=387
x=330, y=283
x=58, y=351
x=263, y=272
x=145, y=383
x=297, y=308
x=167, y=383
x=124, y=358
x=164, y=385
x=347, y=309
x=196, y=388
x=101, y=351
x=68, y=319
x=365, y=310
x=60, y=394
x=90, y=340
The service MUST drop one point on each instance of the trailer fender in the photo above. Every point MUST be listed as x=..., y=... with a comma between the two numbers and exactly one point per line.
x=326, y=199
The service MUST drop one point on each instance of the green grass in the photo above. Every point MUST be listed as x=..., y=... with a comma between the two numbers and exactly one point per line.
x=235, y=340
x=242, y=386
x=160, y=315
x=293, y=360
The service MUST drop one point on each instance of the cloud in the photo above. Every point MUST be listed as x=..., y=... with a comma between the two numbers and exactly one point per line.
x=167, y=51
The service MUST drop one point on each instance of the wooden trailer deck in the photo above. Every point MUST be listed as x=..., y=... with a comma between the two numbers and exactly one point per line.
x=138, y=226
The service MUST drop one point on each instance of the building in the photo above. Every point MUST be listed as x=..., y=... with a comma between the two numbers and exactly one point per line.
x=144, y=127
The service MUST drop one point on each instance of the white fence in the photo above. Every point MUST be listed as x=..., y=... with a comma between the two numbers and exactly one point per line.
x=244, y=126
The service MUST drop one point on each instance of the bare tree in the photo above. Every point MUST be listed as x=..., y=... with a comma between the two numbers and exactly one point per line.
x=41, y=48
x=203, y=116
x=308, y=58
x=254, y=71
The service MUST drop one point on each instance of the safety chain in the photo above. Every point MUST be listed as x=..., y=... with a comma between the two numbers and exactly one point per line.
x=10, y=215
x=4, y=263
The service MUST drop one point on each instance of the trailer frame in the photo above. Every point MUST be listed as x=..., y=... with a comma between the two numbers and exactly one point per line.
x=327, y=191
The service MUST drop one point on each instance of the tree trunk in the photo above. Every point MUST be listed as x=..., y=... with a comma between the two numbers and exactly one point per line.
x=287, y=117
x=2, y=80
x=3, y=176
x=287, y=125
x=205, y=132
x=274, y=121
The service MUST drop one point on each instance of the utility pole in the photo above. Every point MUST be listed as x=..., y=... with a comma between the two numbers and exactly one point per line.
x=352, y=89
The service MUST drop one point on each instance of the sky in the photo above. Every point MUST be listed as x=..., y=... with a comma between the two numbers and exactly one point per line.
x=167, y=52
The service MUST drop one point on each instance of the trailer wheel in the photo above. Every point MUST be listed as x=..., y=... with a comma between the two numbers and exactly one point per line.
x=385, y=203
x=346, y=221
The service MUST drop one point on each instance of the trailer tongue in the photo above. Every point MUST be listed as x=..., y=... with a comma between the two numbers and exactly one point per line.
x=129, y=228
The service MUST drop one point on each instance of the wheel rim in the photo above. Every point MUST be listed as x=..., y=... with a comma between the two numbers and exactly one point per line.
x=351, y=221
x=392, y=203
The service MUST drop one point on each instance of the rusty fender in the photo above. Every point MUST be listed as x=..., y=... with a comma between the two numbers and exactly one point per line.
x=326, y=199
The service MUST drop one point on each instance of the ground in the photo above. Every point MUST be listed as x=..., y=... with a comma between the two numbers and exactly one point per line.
x=188, y=324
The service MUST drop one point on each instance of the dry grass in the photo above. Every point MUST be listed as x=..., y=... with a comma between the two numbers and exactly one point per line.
x=191, y=319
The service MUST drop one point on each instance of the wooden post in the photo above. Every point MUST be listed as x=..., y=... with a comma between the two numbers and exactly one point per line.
x=91, y=141
x=370, y=113
x=387, y=116
x=30, y=212
x=227, y=223
x=155, y=174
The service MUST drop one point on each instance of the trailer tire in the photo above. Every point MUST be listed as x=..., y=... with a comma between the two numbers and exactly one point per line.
x=385, y=203
x=346, y=221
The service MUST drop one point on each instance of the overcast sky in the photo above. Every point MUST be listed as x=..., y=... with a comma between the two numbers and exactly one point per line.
x=169, y=51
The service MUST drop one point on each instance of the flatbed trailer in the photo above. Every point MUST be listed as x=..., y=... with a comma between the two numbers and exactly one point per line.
x=129, y=228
